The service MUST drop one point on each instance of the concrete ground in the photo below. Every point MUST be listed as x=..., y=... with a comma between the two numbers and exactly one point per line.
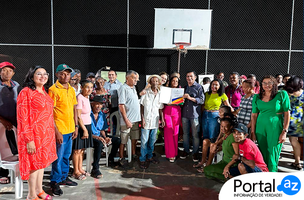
x=166, y=180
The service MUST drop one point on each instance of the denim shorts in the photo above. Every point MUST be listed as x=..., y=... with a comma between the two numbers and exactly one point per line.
x=210, y=125
x=234, y=171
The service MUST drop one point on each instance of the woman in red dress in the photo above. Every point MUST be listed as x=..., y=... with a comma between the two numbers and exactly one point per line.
x=36, y=133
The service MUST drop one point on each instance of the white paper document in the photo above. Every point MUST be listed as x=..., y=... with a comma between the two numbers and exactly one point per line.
x=171, y=95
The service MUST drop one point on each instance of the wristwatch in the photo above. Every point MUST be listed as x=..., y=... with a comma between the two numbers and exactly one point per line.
x=285, y=130
x=77, y=126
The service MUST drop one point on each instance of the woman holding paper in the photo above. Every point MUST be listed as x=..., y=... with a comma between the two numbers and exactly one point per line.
x=210, y=126
x=172, y=116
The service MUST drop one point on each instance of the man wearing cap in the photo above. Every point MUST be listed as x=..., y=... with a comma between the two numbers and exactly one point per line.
x=151, y=112
x=129, y=110
x=91, y=77
x=66, y=124
x=112, y=86
x=248, y=155
x=9, y=90
x=100, y=139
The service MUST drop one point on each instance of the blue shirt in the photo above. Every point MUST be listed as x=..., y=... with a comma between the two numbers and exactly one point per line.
x=112, y=88
x=8, y=100
x=192, y=110
x=99, y=125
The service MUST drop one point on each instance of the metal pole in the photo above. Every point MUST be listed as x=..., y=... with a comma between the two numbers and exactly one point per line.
x=206, y=61
x=290, y=40
x=128, y=31
x=52, y=35
x=178, y=62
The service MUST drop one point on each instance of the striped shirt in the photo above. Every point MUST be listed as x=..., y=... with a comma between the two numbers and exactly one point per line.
x=244, y=115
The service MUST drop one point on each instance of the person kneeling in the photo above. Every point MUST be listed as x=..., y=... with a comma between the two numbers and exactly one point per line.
x=246, y=153
x=100, y=139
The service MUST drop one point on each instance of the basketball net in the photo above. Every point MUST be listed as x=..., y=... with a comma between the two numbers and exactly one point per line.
x=180, y=47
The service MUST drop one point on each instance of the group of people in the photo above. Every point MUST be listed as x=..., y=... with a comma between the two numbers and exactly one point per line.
x=62, y=121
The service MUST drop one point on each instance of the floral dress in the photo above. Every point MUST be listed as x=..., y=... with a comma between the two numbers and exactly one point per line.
x=296, y=116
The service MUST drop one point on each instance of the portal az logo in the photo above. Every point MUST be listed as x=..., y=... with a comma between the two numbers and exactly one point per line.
x=290, y=185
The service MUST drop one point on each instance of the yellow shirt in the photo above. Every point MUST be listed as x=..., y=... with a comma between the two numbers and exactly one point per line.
x=64, y=101
x=214, y=101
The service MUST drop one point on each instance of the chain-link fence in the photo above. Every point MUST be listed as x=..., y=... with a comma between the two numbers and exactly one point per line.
x=260, y=37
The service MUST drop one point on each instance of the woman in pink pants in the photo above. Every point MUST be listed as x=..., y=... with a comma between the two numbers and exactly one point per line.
x=172, y=116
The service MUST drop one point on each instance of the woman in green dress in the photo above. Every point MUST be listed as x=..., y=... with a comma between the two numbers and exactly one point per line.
x=216, y=170
x=270, y=121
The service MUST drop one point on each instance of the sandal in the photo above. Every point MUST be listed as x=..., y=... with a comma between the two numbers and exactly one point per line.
x=297, y=166
x=200, y=170
x=143, y=165
x=96, y=174
x=199, y=165
x=80, y=177
x=37, y=198
x=172, y=160
x=86, y=173
x=4, y=180
x=48, y=197
x=153, y=160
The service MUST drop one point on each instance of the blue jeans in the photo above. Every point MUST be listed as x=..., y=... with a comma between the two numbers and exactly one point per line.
x=61, y=166
x=210, y=125
x=148, y=138
x=194, y=124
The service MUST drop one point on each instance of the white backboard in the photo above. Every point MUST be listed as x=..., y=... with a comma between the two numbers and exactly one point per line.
x=196, y=20
x=121, y=76
x=202, y=76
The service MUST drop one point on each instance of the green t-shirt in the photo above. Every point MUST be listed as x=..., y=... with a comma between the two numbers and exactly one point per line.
x=228, y=149
x=214, y=101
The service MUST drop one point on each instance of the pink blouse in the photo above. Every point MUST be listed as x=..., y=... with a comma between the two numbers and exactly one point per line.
x=85, y=106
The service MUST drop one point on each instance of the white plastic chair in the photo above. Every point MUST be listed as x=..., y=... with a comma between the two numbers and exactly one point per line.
x=89, y=157
x=13, y=167
x=9, y=162
x=129, y=143
x=218, y=157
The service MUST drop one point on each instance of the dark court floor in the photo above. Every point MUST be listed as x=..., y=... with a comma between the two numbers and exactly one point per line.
x=165, y=180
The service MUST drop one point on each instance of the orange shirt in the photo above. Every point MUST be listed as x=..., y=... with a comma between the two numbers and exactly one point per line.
x=64, y=101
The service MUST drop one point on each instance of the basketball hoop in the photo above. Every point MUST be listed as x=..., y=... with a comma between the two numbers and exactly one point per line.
x=180, y=47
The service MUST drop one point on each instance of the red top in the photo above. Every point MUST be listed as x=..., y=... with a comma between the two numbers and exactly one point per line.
x=250, y=151
x=35, y=123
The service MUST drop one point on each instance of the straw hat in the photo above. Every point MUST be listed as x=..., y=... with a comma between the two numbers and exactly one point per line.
x=153, y=76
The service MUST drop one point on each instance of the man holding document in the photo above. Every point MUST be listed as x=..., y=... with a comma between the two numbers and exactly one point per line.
x=194, y=97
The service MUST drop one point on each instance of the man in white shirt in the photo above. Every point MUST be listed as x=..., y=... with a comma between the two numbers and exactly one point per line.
x=151, y=112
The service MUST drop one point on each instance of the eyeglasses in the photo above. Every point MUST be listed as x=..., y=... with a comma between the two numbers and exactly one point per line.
x=268, y=83
x=40, y=74
x=74, y=79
